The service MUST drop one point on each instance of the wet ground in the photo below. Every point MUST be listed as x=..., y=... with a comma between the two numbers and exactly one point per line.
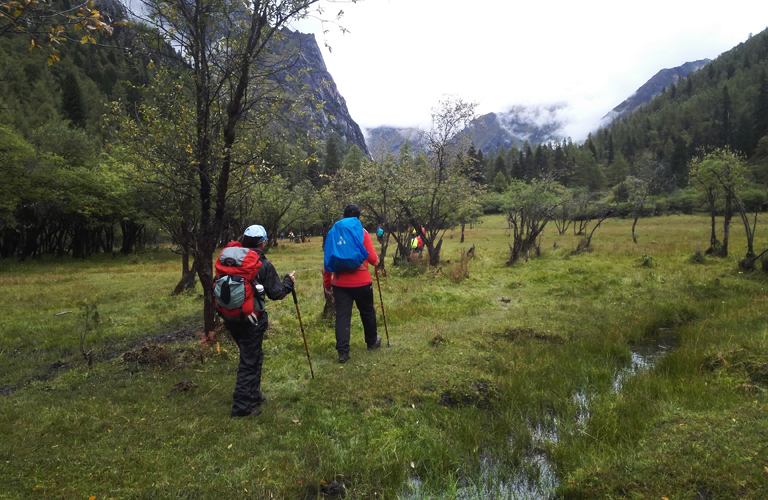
x=536, y=478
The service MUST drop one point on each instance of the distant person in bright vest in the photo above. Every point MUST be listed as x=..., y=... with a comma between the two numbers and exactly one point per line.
x=249, y=334
x=380, y=235
x=354, y=286
x=414, y=245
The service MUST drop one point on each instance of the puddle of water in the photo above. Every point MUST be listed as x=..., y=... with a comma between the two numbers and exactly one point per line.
x=536, y=479
x=645, y=354
x=582, y=408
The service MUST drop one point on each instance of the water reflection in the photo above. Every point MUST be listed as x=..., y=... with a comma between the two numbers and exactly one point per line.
x=536, y=478
x=645, y=354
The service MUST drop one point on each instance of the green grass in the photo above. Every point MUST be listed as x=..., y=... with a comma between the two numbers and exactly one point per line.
x=475, y=368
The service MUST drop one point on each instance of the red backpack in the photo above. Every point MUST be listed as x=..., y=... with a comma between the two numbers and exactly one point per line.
x=235, y=283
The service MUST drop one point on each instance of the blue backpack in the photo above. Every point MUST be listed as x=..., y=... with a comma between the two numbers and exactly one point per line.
x=344, y=249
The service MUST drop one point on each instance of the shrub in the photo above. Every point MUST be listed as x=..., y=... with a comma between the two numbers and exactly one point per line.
x=747, y=264
x=646, y=261
x=698, y=257
x=683, y=200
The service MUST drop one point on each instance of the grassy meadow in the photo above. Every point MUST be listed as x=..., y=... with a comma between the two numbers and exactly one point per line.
x=542, y=380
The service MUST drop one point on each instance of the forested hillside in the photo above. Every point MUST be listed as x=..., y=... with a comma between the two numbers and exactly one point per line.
x=62, y=145
x=723, y=104
x=58, y=194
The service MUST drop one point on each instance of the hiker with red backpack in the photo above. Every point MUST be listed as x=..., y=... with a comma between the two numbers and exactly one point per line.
x=348, y=251
x=244, y=277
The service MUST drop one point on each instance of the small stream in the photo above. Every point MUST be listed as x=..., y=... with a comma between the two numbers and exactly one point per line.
x=537, y=478
x=645, y=354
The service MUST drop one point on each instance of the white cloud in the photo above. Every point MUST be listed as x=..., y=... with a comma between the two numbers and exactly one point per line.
x=401, y=56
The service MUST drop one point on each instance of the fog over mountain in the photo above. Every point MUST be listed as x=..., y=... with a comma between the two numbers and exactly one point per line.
x=536, y=123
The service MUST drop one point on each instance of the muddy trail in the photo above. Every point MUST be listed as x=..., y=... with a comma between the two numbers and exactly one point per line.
x=108, y=351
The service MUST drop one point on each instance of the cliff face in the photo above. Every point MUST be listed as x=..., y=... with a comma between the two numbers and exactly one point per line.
x=308, y=73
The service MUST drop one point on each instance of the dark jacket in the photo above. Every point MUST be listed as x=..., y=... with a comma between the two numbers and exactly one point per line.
x=274, y=288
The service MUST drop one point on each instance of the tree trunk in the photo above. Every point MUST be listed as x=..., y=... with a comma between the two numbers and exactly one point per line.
x=130, y=231
x=434, y=254
x=462, y=232
x=383, y=254
x=187, y=275
x=204, y=266
x=726, y=225
x=713, y=236
x=634, y=237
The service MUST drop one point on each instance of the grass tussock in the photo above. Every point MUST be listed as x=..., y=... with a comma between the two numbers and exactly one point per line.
x=583, y=375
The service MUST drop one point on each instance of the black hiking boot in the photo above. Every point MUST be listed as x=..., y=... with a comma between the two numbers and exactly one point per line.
x=262, y=399
x=343, y=357
x=376, y=344
x=255, y=412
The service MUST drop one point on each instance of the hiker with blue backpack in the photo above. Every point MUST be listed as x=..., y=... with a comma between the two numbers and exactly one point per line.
x=244, y=277
x=348, y=252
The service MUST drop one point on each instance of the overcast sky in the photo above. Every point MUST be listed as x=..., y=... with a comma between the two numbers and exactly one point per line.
x=401, y=56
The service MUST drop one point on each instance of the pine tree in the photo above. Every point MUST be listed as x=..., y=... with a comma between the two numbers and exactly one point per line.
x=332, y=162
x=475, y=165
x=354, y=159
x=726, y=116
x=72, y=101
x=591, y=146
x=678, y=163
x=611, y=152
x=689, y=86
x=761, y=108
x=499, y=166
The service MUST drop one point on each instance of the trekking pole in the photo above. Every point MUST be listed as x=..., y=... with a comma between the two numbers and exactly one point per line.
x=383, y=314
x=296, y=302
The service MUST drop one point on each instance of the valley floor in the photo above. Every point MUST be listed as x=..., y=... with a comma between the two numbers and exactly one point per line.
x=631, y=371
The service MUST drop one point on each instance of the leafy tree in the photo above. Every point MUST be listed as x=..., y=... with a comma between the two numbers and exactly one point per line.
x=47, y=24
x=650, y=178
x=440, y=188
x=16, y=156
x=563, y=213
x=500, y=182
x=529, y=207
x=383, y=198
x=706, y=184
x=228, y=62
x=725, y=171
